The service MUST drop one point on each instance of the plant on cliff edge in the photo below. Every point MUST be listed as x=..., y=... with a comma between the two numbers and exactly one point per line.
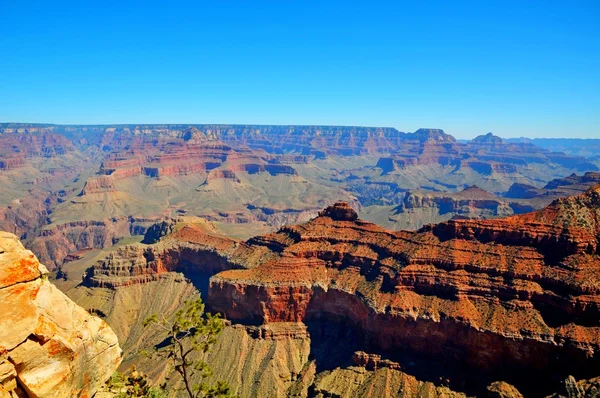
x=190, y=332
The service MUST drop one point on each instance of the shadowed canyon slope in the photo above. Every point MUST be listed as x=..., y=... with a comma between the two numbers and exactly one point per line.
x=462, y=304
x=49, y=346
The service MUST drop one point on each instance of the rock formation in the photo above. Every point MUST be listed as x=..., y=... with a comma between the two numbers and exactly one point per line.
x=16, y=149
x=514, y=299
x=72, y=188
x=49, y=346
x=54, y=244
x=422, y=207
x=519, y=293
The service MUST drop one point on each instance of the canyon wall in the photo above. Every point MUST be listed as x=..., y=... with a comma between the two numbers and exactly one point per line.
x=514, y=299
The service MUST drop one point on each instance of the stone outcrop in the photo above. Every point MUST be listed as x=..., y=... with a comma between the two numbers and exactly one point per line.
x=222, y=174
x=472, y=202
x=25, y=215
x=340, y=211
x=501, y=389
x=158, y=171
x=486, y=154
x=49, y=346
x=100, y=184
x=195, y=248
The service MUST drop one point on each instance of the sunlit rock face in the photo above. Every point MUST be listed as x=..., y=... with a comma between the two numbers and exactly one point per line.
x=517, y=299
x=49, y=346
x=516, y=293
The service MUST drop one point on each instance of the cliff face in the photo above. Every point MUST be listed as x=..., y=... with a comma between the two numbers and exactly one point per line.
x=251, y=179
x=54, y=244
x=519, y=293
x=17, y=149
x=472, y=202
x=25, y=215
x=466, y=301
x=49, y=346
x=195, y=249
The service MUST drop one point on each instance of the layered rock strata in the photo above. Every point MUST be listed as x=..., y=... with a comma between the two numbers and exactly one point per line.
x=514, y=299
x=54, y=244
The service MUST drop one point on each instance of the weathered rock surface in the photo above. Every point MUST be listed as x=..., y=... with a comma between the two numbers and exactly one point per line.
x=49, y=346
x=277, y=174
x=559, y=187
x=571, y=388
x=472, y=202
x=516, y=299
x=16, y=148
x=516, y=293
x=54, y=244
x=501, y=389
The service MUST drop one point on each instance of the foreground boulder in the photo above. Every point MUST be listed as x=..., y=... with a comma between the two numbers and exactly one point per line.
x=49, y=346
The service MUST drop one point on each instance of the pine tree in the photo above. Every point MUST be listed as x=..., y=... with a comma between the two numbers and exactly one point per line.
x=190, y=332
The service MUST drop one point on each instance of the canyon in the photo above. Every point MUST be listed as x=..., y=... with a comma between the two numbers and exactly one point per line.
x=459, y=306
x=347, y=261
x=72, y=188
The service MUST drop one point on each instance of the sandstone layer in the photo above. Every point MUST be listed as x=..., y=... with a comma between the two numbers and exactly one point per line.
x=253, y=179
x=49, y=346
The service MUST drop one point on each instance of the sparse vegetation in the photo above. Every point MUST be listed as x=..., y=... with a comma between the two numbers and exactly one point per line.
x=134, y=384
x=61, y=274
x=97, y=312
x=189, y=333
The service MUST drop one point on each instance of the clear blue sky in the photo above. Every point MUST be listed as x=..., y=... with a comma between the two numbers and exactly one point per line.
x=515, y=68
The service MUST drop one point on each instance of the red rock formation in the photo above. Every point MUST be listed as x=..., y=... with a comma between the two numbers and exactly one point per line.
x=340, y=211
x=172, y=155
x=16, y=148
x=515, y=298
x=222, y=174
x=24, y=215
x=192, y=248
x=521, y=292
x=472, y=202
x=423, y=147
x=11, y=162
x=373, y=361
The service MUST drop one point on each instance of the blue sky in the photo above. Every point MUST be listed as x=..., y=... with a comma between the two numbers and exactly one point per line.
x=515, y=68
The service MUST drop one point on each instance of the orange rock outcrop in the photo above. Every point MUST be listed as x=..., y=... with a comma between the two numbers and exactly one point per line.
x=49, y=346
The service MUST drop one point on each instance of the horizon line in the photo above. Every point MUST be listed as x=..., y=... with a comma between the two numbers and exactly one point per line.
x=44, y=124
